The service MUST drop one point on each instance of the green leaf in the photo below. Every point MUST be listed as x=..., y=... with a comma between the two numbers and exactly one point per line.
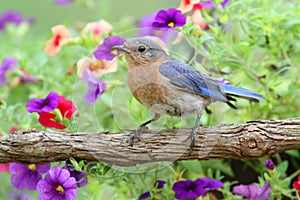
x=282, y=167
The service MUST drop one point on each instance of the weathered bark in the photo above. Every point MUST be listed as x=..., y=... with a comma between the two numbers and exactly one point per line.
x=244, y=141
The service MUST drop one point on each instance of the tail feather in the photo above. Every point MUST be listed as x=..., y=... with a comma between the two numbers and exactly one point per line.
x=242, y=93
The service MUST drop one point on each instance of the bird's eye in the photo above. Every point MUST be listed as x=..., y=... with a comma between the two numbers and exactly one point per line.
x=141, y=48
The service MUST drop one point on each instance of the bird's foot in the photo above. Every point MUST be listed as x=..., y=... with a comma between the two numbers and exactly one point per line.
x=136, y=134
x=192, y=137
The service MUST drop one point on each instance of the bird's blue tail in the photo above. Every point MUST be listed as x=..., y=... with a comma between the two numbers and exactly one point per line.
x=241, y=92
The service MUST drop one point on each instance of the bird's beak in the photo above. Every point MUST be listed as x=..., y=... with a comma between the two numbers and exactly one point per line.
x=121, y=48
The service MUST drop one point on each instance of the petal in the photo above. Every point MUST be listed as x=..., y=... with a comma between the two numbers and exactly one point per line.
x=64, y=176
x=69, y=183
x=66, y=107
x=224, y=3
x=17, y=168
x=44, y=186
x=70, y=194
x=144, y=196
x=50, y=48
x=8, y=63
x=241, y=190
x=43, y=168
x=296, y=185
x=265, y=192
x=48, y=121
x=91, y=95
x=26, y=180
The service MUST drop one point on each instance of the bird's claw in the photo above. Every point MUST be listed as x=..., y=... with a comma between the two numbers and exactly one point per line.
x=136, y=134
x=193, y=142
x=192, y=136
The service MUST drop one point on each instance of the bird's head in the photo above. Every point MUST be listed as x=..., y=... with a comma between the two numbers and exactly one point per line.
x=141, y=51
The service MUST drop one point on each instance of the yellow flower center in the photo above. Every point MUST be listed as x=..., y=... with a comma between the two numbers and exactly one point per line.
x=114, y=51
x=171, y=24
x=60, y=189
x=32, y=167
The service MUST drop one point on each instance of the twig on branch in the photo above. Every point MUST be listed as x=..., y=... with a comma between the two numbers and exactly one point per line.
x=244, y=141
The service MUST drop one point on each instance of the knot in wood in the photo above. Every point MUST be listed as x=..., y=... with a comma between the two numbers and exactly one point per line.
x=252, y=144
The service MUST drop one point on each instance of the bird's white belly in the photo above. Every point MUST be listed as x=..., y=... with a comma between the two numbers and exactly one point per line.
x=183, y=104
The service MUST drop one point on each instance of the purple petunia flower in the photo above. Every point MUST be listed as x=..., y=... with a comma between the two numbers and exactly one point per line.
x=27, y=176
x=12, y=17
x=96, y=86
x=169, y=18
x=253, y=192
x=269, y=164
x=210, y=4
x=43, y=105
x=146, y=29
x=194, y=189
x=105, y=50
x=57, y=184
x=62, y=2
x=80, y=177
x=7, y=64
x=187, y=189
x=159, y=184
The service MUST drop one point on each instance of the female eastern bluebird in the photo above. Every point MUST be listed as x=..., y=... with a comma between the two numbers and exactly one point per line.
x=167, y=86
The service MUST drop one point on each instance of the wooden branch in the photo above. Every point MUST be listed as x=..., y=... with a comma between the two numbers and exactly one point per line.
x=244, y=141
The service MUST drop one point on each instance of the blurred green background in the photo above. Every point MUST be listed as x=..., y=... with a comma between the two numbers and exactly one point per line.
x=47, y=14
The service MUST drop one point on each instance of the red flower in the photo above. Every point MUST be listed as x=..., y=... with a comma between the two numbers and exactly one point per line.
x=66, y=109
x=4, y=167
x=48, y=121
x=296, y=185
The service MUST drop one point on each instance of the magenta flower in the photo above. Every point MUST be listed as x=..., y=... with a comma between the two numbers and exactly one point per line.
x=43, y=105
x=169, y=18
x=105, y=50
x=27, y=176
x=210, y=4
x=158, y=184
x=57, y=184
x=62, y=2
x=7, y=64
x=146, y=29
x=253, y=192
x=194, y=189
x=96, y=86
x=80, y=177
x=12, y=17
x=269, y=164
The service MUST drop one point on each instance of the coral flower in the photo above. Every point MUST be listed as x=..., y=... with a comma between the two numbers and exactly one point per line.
x=61, y=36
x=97, y=28
x=97, y=67
x=189, y=5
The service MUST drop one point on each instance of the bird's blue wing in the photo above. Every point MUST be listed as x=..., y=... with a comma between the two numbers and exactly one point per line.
x=187, y=78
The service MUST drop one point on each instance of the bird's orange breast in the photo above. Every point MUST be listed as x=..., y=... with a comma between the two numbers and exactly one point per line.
x=148, y=86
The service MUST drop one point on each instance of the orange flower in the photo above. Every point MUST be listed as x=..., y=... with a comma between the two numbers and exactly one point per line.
x=98, y=67
x=189, y=5
x=97, y=28
x=61, y=36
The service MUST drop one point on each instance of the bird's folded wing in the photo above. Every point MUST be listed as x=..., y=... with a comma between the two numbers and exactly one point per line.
x=189, y=79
